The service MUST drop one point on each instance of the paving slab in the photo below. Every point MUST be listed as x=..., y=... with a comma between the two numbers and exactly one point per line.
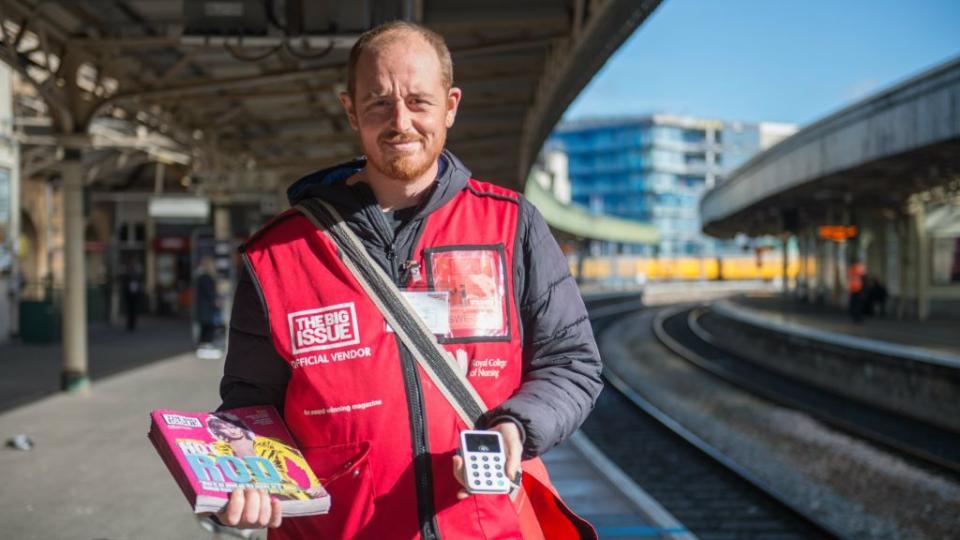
x=92, y=474
x=31, y=371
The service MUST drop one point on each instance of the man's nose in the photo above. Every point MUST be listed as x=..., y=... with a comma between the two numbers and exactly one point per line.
x=401, y=116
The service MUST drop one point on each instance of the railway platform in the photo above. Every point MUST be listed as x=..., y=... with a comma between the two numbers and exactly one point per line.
x=935, y=338
x=911, y=368
x=32, y=371
x=92, y=473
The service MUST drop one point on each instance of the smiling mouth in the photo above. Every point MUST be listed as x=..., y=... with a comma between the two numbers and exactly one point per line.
x=408, y=145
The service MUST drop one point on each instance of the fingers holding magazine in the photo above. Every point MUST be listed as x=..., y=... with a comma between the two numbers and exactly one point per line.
x=251, y=509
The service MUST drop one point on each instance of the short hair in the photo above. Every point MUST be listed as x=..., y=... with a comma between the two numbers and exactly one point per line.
x=218, y=421
x=378, y=36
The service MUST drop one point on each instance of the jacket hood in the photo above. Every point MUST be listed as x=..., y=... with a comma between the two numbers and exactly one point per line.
x=330, y=184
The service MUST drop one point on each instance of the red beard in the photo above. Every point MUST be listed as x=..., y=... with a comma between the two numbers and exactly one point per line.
x=409, y=167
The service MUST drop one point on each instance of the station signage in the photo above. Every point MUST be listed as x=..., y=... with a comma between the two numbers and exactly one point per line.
x=838, y=233
x=179, y=208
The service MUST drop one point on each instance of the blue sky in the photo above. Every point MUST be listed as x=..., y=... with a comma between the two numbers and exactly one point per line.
x=776, y=60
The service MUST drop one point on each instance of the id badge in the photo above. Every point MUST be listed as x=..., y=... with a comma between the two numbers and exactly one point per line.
x=433, y=307
x=475, y=278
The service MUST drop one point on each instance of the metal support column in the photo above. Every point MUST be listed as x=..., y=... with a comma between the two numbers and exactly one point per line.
x=150, y=266
x=150, y=270
x=786, y=264
x=800, y=282
x=903, y=235
x=74, y=377
x=14, y=241
x=223, y=234
x=821, y=258
x=839, y=277
x=808, y=249
x=922, y=251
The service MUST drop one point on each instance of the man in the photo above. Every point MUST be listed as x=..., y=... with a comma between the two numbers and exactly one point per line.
x=132, y=283
x=305, y=338
x=207, y=304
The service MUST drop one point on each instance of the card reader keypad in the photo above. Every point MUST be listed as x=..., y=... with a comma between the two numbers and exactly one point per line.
x=486, y=472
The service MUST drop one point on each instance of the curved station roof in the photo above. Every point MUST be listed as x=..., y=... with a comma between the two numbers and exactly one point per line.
x=872, y=154
x=252, y=113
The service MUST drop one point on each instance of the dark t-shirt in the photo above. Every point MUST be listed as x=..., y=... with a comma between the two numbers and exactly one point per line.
x=398, y=218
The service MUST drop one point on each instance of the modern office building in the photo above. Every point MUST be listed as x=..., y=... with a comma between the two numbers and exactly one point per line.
x=655, y=169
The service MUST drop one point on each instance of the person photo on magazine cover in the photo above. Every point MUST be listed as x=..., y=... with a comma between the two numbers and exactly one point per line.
x=234, y=438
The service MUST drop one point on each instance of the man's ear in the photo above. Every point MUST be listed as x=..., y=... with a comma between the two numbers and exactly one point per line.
x=453, y=101
x=351, y=111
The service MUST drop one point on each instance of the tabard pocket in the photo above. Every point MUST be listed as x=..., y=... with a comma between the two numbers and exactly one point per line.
x=344, y=471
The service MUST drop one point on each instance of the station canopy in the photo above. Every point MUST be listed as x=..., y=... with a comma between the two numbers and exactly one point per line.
x=242, y=95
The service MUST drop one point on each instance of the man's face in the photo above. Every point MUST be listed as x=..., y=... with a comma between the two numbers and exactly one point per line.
x=401, y=107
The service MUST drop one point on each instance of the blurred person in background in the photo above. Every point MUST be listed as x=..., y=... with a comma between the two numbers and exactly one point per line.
x=131, y=285
x=875, y=296
x=207, y=303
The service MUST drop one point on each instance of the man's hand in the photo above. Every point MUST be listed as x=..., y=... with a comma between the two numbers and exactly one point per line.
x=513, y=449
x=251, y=509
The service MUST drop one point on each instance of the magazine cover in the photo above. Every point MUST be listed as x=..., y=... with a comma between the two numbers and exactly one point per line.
x=211, y=454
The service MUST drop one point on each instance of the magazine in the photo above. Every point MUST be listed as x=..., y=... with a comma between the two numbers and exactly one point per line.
x=210, y=454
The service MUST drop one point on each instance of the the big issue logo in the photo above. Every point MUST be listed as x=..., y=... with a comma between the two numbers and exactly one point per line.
x=320, y=329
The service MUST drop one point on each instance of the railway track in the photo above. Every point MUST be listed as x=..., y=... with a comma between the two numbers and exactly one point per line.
x=931, y=446
x=713, y=497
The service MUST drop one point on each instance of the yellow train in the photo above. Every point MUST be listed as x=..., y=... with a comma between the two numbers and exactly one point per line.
x=687, y=268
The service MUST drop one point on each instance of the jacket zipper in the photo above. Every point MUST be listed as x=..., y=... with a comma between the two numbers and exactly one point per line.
x=422, y=467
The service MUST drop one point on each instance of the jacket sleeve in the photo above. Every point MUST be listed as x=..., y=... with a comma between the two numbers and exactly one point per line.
x=561, y=379
x=253, y=373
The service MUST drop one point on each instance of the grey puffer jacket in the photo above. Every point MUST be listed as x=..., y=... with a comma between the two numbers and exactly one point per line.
x=561, y=379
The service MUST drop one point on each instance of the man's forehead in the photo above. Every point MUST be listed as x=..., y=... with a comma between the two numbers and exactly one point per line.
x=418, y=67
x=401, y=47
x=400, y=37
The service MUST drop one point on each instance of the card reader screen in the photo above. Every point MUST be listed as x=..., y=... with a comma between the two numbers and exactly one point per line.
x=482, y=443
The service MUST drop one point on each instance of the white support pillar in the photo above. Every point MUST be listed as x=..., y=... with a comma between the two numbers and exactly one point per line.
x=75, y=377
